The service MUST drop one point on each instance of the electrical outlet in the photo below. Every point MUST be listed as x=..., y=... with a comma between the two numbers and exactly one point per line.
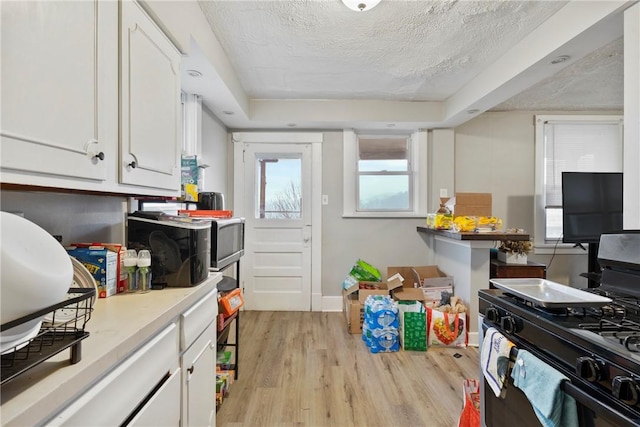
x=325, y=199
x=443, y=192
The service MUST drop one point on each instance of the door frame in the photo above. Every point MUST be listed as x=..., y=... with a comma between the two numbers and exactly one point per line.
x=315, y=139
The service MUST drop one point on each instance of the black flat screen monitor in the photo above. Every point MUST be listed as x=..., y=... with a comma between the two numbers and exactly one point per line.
x=591, y=205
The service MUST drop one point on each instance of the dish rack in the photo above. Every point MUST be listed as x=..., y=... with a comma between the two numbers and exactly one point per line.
x=63, y=326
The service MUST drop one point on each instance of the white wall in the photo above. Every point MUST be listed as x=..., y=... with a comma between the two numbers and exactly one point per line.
x=495, y=154
x=214, y=153
x=75, y=217
x=380, y=242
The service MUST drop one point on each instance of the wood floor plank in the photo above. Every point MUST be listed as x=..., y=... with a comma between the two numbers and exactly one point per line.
x=304, y=369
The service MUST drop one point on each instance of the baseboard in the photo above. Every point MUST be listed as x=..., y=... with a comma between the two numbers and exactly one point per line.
x=332, y=303
x=473, y=339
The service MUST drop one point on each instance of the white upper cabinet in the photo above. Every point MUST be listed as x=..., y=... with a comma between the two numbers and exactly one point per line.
x=150, y=118
x=90, y=89
x=59, y=77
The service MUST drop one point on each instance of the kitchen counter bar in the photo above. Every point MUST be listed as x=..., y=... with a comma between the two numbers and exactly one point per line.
x=493, y=236
x=118, y=326
x=465, y=256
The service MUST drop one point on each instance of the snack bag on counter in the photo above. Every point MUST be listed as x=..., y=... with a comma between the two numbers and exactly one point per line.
x=488, y=223
x=464, y=223
x=442, y=219
x=448, y=324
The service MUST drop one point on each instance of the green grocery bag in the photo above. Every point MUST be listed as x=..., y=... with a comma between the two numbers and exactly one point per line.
x=361, y=272
x=365, y=272
x=413, y=325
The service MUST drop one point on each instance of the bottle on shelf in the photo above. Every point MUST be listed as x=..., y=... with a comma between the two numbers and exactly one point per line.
x=130, y=262
x=144, y=271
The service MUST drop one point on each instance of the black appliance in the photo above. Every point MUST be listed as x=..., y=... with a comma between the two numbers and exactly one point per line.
x=227, y=241
x=210, y=201
x=180, y=247
x=596, y=347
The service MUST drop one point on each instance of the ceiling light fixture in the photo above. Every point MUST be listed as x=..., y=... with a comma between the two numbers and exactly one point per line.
x=361, y=5
x=560, y=59
x=194, y=73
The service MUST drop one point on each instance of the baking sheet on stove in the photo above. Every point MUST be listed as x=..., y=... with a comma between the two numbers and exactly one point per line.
x=549, y=294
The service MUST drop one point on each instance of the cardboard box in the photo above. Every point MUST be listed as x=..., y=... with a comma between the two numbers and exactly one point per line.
x=121, y=272
x=428, y=275
x=354, y=312
x=471, y=204
x=102, y=264
x=431, y=283
x=354, y=298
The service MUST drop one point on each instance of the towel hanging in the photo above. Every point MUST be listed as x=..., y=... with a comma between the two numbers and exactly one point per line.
x=542, y=384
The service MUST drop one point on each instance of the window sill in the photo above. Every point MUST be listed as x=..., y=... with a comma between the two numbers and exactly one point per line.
x=384, y=215
x=560, y=249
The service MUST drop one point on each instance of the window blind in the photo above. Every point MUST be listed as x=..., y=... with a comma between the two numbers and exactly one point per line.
x=578, y=147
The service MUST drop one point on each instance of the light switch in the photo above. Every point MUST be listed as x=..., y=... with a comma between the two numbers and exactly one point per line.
x=443, y=192
x=325, y=199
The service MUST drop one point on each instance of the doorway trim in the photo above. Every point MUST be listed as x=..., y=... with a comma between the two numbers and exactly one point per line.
x=315, y=139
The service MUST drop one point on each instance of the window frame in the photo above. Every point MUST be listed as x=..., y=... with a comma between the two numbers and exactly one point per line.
x=542, y=245
x=417, y=153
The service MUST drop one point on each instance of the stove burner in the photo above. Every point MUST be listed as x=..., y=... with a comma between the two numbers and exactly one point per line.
x=626, y=331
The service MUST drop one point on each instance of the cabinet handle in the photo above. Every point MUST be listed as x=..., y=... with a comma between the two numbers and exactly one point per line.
x=99, y=156
x=133, y=164
x=190, y=370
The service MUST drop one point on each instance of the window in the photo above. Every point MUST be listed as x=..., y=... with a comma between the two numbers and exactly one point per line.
x=278, y=187
x=573, y=144
x=383, y=174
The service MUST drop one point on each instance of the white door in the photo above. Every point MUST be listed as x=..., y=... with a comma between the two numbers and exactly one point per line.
x=277, y=204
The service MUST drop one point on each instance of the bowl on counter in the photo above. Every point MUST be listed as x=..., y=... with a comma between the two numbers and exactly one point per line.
x=36, y=272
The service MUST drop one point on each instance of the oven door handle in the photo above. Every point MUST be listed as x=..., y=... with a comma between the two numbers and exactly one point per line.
x=598, y=407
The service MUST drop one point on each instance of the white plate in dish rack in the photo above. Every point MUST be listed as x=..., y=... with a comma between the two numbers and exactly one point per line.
x=81, y=279
x=546, y=293
x=19, y=336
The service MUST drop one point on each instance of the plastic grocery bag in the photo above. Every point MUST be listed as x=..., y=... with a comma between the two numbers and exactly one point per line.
x=470, y=416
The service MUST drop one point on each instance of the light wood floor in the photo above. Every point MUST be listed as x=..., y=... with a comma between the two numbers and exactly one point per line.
x=304, y=369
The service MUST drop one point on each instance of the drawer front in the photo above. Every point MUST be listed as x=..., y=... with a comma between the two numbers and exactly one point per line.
x=163, y=409
x=112, y=399
x=195, y=319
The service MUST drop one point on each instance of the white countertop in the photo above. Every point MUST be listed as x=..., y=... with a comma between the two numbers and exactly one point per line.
x=118, y=325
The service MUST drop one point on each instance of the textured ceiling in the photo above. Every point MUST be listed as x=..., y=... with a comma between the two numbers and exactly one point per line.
x=399, y=51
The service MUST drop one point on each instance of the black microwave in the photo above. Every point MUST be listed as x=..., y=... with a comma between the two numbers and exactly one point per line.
x=180, y=247
x=227, y=241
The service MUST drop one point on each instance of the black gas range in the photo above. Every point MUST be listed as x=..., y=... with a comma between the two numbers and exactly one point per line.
x=596, y=346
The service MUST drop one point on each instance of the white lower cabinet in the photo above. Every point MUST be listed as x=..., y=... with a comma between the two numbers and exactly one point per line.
x=126, y=389
x=169, y=381
x=163, y=409
x=198, y=362
x=199, y=381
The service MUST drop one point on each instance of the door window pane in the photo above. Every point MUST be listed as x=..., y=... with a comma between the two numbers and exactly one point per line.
x=278, y=187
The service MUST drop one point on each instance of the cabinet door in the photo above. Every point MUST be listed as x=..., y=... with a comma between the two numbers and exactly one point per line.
x=150, y=103
x=199, y=381
x=59, y=89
